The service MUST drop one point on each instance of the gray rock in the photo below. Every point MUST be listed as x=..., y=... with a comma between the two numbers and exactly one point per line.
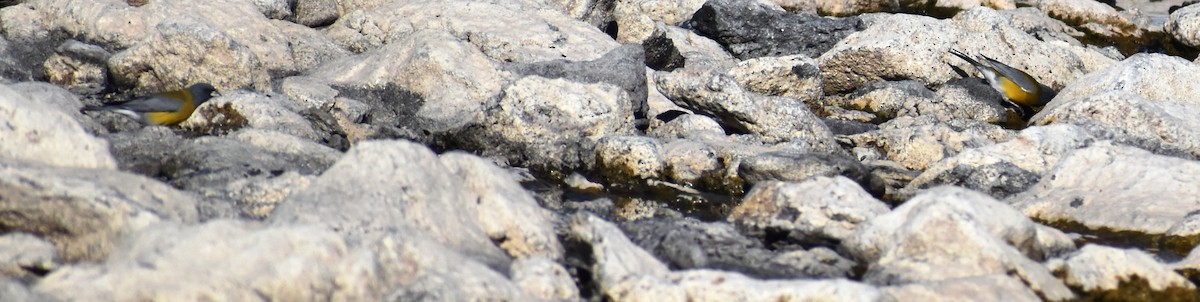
x=885, y=51
x=232, y=170
x=661, y=51
x=1168, y=82
x=156, y=39
x=999, y=179
x=971, y=99
x=619, y=269
x=576, y=181
x=622, y=67
x=300, y=152
x=750, y=29
x=795, y=76
x=308, y=48
x=26, y=36
x=693, y=164
x=84, y=211
x=257, y=194
x=79, y=67
x=15, y=291
x=637, y=208
x=685, y=125
x=662, y=110
x=1006, y=168
x=55, y=97
x=690, y=244
x=242, y=109
x=715, y=163
x=1097, y=19
x=598, y=13
x=240, y=261
x=1127, y=105
x=271, y=46
x=886, y=100
x=315, y=13
x=307, y=92
x=636, y=19
x=549, y=125
x=630, y=160
x=1101, y=272
x=600, y=206
x=381, y=186
x=145, y=150
x=818, y=210
x=695, y=48
x=1052, y=63
x=11, y=68
x=426, y=81
x=894, y=175
x=274, y=9
x=975, y=235
x=1039, y=24
x=951, y=8
x=166, y=60
x=786, y=166
x=257, y=197
x=709, y=285
x=774, y=119
x=544, y=279
x=26, y=257
x=507, y=213
x=844, y=122
x=39, y=129
x=994, y=288
x=353, y=110
x=1184, y=24
x=245, y=261
x=1103, y=189
x=530, y=33
x=414, y=267
x=917, y=143
x=610, y=259
x=877, y=53
x=843, y=7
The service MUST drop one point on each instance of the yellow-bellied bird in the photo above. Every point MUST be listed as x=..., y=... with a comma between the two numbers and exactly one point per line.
x=165, y=108
x=1020, y=89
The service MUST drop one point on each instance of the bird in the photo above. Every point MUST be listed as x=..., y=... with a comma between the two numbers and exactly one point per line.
x=1020, y=90
x=164, y=108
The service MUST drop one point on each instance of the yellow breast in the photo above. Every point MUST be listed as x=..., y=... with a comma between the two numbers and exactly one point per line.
x=172, y=118
x=1018, y=95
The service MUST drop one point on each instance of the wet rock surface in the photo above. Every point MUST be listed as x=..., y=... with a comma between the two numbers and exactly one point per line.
x=609, y=150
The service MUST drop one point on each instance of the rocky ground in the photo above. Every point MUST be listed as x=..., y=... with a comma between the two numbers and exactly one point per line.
x=623, y=150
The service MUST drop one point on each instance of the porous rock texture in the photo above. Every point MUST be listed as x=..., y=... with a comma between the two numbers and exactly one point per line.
x=598, y=150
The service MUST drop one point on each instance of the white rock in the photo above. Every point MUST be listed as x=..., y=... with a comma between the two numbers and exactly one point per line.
x=507, y=213
x=380, y=186
x=85, y=211
x=825, y=207
x=1105, y=187
x=1096, y=268
x=948, y=233
x=36, y=131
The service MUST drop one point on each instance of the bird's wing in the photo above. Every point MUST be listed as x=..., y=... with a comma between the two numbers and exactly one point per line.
x=1022, y=79
x=166, y=102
